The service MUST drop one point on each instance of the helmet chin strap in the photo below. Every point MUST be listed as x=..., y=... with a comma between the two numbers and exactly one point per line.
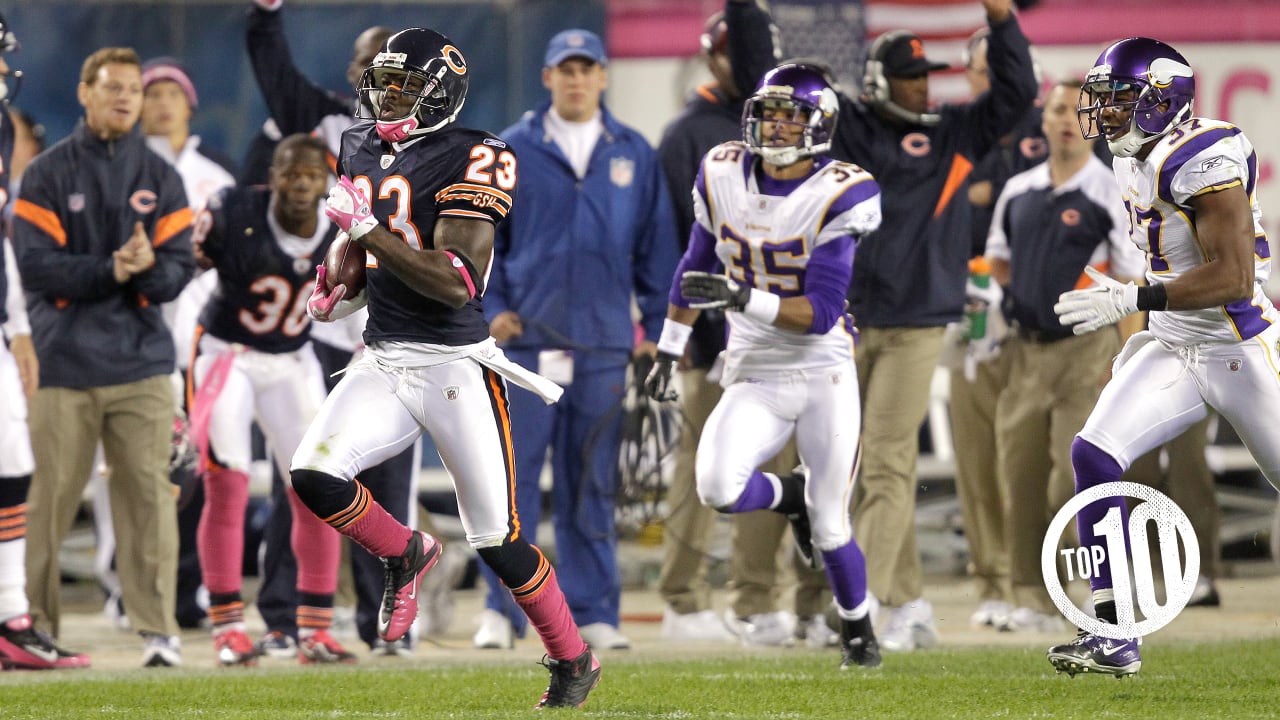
x=1130, y=143
x=398, y=130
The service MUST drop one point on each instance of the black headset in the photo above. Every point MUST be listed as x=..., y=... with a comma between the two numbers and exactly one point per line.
x=875, y=85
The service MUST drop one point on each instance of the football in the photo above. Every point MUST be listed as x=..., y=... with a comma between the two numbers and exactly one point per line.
x=344, y=264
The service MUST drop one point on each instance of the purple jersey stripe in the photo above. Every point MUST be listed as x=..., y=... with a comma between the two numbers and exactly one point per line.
x=1252, y=181
x=1247, y=318
x=1261, y=247
x=852, y=195
x=1185, y=152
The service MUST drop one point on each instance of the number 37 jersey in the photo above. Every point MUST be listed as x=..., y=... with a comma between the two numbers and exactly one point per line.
x=454, y=172
x=1199, y=156
x=766, y=241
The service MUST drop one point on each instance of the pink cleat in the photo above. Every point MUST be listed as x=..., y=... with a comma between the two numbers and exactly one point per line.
x=23, y=647
x=400, y=594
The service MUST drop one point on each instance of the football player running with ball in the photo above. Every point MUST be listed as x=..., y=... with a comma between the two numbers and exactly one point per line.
x=1189, y=184
x=422, y=196
x=783, y=221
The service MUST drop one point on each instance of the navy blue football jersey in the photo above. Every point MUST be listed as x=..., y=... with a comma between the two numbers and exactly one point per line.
x=264, y=280
x=454, y=172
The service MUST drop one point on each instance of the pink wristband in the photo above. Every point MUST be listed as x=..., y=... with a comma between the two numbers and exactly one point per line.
x=462, y=270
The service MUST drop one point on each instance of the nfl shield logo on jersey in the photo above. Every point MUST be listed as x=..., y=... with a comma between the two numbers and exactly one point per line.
x=451, y=392
x=386, y=161
x=1234, y=364
x=75, y=202
x=622, y=171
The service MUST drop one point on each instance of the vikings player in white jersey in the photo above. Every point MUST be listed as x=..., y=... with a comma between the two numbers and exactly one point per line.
x=783, y=221
x=1189, y=185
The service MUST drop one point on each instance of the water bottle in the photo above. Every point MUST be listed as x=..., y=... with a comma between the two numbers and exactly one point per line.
x=976, y=310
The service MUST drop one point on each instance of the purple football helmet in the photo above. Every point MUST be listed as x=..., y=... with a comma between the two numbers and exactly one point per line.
x=803, y=91
x=1139, y=75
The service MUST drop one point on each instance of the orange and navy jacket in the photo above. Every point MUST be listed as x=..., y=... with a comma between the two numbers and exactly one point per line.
x=78, y=204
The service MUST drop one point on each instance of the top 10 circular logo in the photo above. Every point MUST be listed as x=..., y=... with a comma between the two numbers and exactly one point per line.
x=1134, y=595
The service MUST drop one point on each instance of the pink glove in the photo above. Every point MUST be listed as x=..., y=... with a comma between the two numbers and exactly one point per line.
x=269, y=5
x=323, y=301
x=349, y=208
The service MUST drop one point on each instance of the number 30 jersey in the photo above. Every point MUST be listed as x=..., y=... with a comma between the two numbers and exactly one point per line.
x=454, y=172
x=265, y=275
x=766, y=241
x=1198, y=156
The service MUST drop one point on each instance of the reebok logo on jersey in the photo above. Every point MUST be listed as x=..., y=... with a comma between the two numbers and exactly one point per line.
x=1211, y=163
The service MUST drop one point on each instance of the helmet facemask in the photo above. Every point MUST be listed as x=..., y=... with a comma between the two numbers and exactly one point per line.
x=791, y=116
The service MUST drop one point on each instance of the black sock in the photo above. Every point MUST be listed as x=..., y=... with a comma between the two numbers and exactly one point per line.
x=1106, y=611
x=792, y=500
x=850, y=629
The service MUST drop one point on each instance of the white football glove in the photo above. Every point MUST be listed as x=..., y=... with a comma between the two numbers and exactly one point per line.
x=1097, y=306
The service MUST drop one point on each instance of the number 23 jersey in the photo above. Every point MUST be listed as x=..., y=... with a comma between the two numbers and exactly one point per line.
x=765, y=241
x=454, y=172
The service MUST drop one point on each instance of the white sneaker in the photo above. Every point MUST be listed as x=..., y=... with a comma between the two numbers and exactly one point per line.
x=161, y=651
x=816, y=633
x=603, y=636
x=703, y=625
x=990, y=613
x=495, y=631
x=1026, y=620
x=910, y=627
x=774, y=629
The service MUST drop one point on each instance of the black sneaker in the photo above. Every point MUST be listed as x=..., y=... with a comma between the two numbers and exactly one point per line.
x=1097, y=654
x=401, y=578
x=800, y=522
x=804, y=543
x=571, y=681
x=858, y=646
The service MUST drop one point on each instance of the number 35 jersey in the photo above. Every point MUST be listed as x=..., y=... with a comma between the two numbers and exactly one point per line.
x=766, y=241
x=265, y=275
x=1199, y=156
x=454, y=172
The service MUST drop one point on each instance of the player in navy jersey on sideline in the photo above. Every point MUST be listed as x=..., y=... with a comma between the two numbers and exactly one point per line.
x=253, y=363
x=1213, y=338
x=783, y=220
x=422, y=195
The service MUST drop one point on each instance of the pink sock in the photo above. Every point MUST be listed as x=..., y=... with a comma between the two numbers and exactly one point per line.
x=550, y=616
x=373, y=527
x=316, y=547
x=220, y=534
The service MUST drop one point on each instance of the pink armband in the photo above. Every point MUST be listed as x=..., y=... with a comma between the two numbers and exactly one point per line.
x=464, y=269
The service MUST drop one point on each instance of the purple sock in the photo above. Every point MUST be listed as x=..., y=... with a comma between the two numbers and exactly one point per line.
x=1094, y=467
x=847, y=573
x=759, y=494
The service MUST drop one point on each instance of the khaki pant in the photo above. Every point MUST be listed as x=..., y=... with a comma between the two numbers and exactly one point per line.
x=1052, y=390
x=1190, y=484
x=982, y=490
x=758, y=537
x=134, y=421
x=895, y=367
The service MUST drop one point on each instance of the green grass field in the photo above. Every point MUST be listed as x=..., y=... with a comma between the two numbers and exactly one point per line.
x=1220, y=680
